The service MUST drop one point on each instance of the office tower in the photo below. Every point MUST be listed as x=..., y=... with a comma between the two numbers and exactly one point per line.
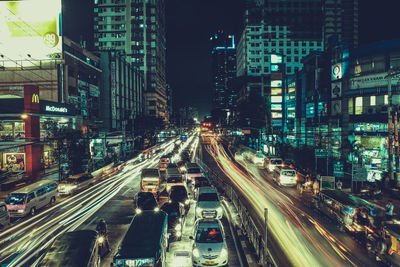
x=137, y=30
x=341, y=19
x=223, y=70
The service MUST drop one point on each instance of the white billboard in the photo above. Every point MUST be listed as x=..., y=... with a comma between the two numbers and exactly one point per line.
x=30, y=30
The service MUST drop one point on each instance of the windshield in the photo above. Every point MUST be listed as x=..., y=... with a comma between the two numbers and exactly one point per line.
x=146, y=202
x=276, y=161
x=194, y=170
x=16, y=199
x=208, y=197
x=174, y=179
x=209, y=235
x=178, y=195
x=288, y=173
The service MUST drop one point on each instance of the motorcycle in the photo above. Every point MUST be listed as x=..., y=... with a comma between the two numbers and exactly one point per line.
x=102, y=246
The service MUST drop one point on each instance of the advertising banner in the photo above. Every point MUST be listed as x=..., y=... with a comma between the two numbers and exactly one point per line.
x=30, y=22
x=336, y=89
x=369, y=81
x=14, y=162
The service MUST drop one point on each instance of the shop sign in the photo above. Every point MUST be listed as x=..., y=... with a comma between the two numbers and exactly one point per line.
x=94, y=90
x=358, y=174
x=336, y=72
x=336, y=107
x=50, y=108
x=82, y=84
x=327, y=182
x=321, y=153
x=369, y=81
x=336, y=89
x=338, y=168
x=14, y=162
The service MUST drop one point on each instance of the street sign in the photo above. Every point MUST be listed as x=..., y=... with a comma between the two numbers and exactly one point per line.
x=321, y=153
x=359, y=174
x=338, y=168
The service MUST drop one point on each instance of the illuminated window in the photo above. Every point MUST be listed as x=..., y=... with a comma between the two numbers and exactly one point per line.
x=372, y=100
x=386, y=100
x=351, y=106
x=359, y=105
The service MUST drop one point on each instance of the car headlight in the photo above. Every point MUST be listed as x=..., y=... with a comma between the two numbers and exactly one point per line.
x=187, y=202
x=219, y=210
x=224, y=253
x=138, y=211
x=156, y=209
x=20, y=211
x=168, y=187
x=271, y=168
x=198, y=210
x=180, y=219
x=178, y=227
x=178, y=233
x=196, y=253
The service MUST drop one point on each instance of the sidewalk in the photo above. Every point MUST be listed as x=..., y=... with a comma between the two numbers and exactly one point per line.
x=47, y=174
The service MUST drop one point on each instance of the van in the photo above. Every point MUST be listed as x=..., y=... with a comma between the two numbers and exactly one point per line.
x=28, y=199
x=285, y=176
x=76, y=248
x=145, y=242
x=75, y=183
x=4, y=218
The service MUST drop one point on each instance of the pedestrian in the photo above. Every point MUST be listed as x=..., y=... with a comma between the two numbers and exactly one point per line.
x=389, y=210
x=316, y=187
x=339, y=185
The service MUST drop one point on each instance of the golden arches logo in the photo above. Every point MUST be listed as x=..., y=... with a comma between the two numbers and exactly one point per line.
x=35, y=98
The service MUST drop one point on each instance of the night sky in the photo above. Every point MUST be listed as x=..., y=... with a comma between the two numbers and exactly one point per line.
x=191, y=22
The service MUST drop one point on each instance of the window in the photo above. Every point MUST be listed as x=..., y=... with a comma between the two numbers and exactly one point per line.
x=386, y=100
x=359, y=105
x=351, y=106
x=289, y=69
x=372, y=100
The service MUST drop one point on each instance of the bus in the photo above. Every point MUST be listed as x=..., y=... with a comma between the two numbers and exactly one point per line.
x=150, y=181
x=28, y=199
x=76, y=248
x=145, y=242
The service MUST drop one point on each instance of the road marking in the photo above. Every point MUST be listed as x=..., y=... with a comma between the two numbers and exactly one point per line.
x=126, y=192
x=91, y=221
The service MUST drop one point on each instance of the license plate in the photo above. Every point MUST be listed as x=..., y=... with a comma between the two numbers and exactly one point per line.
x=209, y=263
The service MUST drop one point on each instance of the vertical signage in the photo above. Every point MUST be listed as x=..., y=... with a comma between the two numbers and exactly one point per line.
x=113, y=93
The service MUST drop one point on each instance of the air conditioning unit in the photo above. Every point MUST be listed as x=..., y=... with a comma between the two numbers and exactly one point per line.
x=371, y=110
x=384, y=109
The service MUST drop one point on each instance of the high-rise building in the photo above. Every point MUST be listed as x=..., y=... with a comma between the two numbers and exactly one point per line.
x=224, y=71
x=341, y=19
x=137, y=29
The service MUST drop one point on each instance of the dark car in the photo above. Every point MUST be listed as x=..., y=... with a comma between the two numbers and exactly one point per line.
x=176, y=218
x=179, y=193
x=200, y=181
x=145, y=201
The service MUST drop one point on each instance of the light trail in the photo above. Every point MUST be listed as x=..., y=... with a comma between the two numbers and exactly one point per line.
x=301, y=242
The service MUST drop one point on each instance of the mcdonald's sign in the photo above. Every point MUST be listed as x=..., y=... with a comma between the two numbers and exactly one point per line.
x=35, y=98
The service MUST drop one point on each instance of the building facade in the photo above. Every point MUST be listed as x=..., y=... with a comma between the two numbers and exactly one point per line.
x=137, y=29
x=224, y=71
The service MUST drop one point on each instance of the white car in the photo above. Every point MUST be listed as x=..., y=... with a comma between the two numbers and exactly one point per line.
x=208, y=204
x=209, y=246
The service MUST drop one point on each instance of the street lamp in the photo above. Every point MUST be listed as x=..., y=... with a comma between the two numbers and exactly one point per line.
x=24, y=116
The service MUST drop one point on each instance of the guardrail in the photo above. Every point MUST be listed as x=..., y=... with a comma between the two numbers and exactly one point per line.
x=253, y=227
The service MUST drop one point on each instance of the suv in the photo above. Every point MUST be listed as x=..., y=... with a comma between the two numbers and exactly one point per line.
x=192, y=170
x=198, y=182
x=209, y=246
x=178, y=193
x=208, y=204
x=145, y=201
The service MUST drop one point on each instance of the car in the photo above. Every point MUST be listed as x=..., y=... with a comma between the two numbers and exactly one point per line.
x=209, y=244
x=176, y=219
x=198, y=182
x=179, y=193
x=145, y=201
x=271, y=163
x=192, y=170
x=172, y=165
x=208, y=204
x=173, y=177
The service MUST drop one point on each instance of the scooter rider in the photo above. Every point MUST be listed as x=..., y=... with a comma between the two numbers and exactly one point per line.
x=102, y=230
